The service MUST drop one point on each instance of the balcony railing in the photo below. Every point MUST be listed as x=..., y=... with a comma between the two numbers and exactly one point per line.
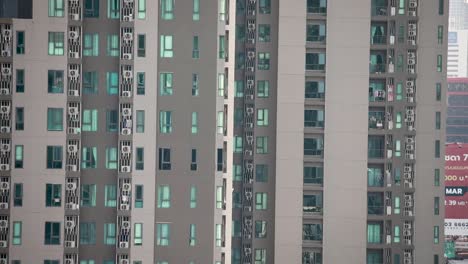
x=375, y=153
x=375, y=209
x=315, y=38
x=316, y=67
x=317, y=124
x=378, y=40
x=317, y=209
x=377, y=68
x=310, y=180
x=313, y=152
x=316, y=10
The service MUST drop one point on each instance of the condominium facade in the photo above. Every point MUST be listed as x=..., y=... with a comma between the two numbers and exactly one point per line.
x=457, y=54
x=457, y=112
x=127, y=123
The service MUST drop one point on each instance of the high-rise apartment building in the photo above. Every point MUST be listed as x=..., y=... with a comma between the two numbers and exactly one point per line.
x=129, y=126
x=457, y=112
x=457, y=54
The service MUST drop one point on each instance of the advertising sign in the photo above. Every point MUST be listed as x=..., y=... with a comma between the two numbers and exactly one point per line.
x=456, y=200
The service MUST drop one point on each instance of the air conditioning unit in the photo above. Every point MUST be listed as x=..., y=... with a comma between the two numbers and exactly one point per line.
x=6, y=71
x=71, y=186
x=410, y=112
x=247, y=251
x=410, y=90
x=126, y=149
x=73, y=110
x=74, y=55
x=413, y=4
x=248, y=195
x=3, y=244
x=251, y=26
x=128, y=1
x=409, y=147
x=5, y=129
x=71, y=206
x=4, y=91
x=127, y=18
x=74, y=2
x=407, y=233
x=408, y=176
x=127, y=94
x=411, y=61
x=410, y=140
x=250, y=110
x=73, y=35
x=250, y=83
x=69, y=224
x=407, y=169
x=126, y=111
x=251, y=54
x=126, y=131
x=72, y=167
x=124, y=261
x=124, y=207
x=125, y=225
x=3, y=206
x=412, y=33
x=3, y=261
x=125, y=169
x=4, y=167
x=127, y=74
x=74, y=74
x=6, y=33
x=6, y=53
x=70, y=244
x=3, y=223
x=72, y=148
x=73, y=130
x=5, y=147
x=411, y=55
x=75, y=17
x=127, y=56
x=407, y=226
x=249, y=167
x=128, y=36
x=251, y=69
x=126, y=186
x=69, y=261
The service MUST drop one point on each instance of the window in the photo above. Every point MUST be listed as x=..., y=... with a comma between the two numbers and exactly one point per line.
x=113, y=9
x=140, y=121
x=438, y=91
x=167, y=9
x=238, y=144
x=91, y=44
x=312, y=203
x=436, y=205
x=195, y=48
x=262, y=117
x=260, y=256
x=113, y=48
x=264, y=33
x=110, y=195
x=396, y=234
x=315, y=32
x=141, y=83
x=51, y=261
x=220, y=160
x=437, y=148
x=263, y=60
x=222, y=10
x=264, y=7
x=375, y=203
x=315, y=61
x=166, y=50
x=138, y=234
x=312, y=232
x=316, y=6
x=194, y=122
x=196, y=10
x=374, y=233
x=164, y=158
x=236, y=200
x=53, y=195
x=162, y=234
x=56, y=43
x=262, y=145
x=55, y=81
x=17, y=230
x=439, y=63
x=236, y=254
x=313, y=146
x=90, y=120
x=436, y=235
x=221, y=84
x=91, y=9
x=109, y=234
x=263, y=89
x=20, y=42
x=313, y=175
x=112, y=120
x=401, y=7
x=239, y=88
x=138, y=196
x=441, y=7
x=140, y=159
x=87, y=233
x=219, y=236
x=260, y=201
x=141, y=9
x=238, y=116
x=164, y=196
x=261, y=172
x=165, y=122
x=193, y=197
x=437, y=120
x=375, y=177
x=89, y=158
x=56, y=8
x=220, y=122
x=54, y=157
x=222, y=47
x=440, y=34
x=88, y=195
x=236, y=228
x=111, y=158
x=240, y=32
x=396, y=209
x=193, y=160
x=52, y=233
x=219, y=197
x=315, y=89
x=195, y=80
x=436, y=259
x=141, y=52
x=193, y=235
x=18, y=195
x=165, y=83
x=90, y=82
x=19, y=156
x=20, y=80
x=314, y=118
x=436, y=177
x=112, y=79
x=260, y=229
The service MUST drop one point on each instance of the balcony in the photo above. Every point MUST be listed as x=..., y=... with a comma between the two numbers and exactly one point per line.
x=315, y=61
x=315, y=90
x=313, y=175
x=376, y=119
x=317, y=7
x=312, y=232
x=312, y=204
x=378, y=62
x=378, y=34
x=377, y=92
x=375, y=204
x=376, y=147
x=379, y=8
x=313, y=146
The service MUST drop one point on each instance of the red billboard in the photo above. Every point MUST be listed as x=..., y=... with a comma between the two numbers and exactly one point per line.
x=456, y=181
